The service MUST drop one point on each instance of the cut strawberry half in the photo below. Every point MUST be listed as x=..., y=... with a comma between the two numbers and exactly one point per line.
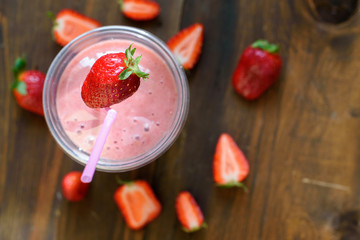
x=230, y=165
x=139, y=10
x=69, y=24
x=186, y=45
x=137, y=203
x=189, y=213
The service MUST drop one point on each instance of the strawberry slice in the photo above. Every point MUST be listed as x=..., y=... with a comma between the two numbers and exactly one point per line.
x=137, y=203
x=140, y=10
x=189, y=213
x=69, y=24
x=186, y=45
x=230, y=165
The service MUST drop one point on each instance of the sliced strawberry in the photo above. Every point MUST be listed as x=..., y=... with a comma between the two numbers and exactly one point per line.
x=140, y=10
x=230, y=165
x=69, y=24
x=137, y=203
x=186, y=45
x=28, y=87
x=73, y=189
x=189, y=213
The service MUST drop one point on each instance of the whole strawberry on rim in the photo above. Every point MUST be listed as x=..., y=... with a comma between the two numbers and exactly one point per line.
x=258, y=68
x=113, y=78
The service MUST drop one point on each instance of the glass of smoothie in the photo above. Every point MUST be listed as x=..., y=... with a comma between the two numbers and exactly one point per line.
x=147, y=123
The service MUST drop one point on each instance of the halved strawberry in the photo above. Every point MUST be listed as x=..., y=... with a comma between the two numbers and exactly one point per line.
x=189, y=213
x=68, y=24
x=137, y=203
x=230, y=165
x=186, y=45
x=140, y=10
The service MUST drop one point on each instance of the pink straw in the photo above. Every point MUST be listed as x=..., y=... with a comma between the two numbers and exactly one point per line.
x=90, y=167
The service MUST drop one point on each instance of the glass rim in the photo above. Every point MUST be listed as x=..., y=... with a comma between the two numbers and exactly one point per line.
x=163, y=144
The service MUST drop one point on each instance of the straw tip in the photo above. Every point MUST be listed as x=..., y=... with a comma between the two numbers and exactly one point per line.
x=86, y=179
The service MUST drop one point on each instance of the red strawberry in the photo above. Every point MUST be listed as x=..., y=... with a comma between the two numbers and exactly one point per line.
x=113, y=78
x=186, y=45
x=73, y=189
x=69, y=24
x=257, y=70
x=28, y=87
x=137, y=203
x=189, y=213
x=230, y=166
x=140, y=10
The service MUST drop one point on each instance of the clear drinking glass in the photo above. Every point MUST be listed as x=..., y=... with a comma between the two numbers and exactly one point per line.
x=70, y=51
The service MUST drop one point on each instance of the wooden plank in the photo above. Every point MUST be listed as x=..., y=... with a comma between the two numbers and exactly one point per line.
x=301, y=137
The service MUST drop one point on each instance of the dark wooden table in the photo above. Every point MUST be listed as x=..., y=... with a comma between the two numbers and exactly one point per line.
x=302, y=137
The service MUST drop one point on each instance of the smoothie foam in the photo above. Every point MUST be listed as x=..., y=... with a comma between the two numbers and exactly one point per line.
x=142, y=120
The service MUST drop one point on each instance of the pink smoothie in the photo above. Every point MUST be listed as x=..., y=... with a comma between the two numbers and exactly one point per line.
x=142, y=120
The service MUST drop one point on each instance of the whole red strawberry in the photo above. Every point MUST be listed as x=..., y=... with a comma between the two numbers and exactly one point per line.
x=258, y=68
x=28, y=87
x=113, y=78
x=72, y=188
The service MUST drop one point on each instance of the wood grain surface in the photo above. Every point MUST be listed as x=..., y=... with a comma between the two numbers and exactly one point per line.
x=302, y=137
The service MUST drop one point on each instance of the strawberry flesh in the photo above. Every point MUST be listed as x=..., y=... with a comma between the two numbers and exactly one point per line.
x=186, y=45
x=230, y=165
x=137, y=203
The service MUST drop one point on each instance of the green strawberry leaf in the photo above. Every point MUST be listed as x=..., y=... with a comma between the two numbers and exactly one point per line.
x=20, y=87
x=125, y=74
x=19, y=66
x=123, y=182
x=132, y=65
x=266, y=46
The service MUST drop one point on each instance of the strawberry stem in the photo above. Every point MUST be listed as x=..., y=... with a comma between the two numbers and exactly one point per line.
x=121, y=2
x=132, y=65
x=234, y=184
x=204, y=225
x=122, y=182
x=266, y=46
